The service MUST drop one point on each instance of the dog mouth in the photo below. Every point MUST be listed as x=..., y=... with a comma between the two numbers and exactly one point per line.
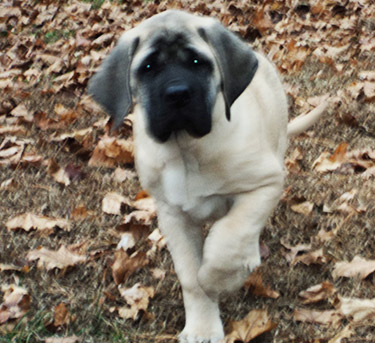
x=166, y=125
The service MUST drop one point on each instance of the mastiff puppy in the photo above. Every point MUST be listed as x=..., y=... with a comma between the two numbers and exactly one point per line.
x=210, y=135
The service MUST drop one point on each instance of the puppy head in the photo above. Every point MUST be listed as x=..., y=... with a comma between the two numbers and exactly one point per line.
x=174, y=64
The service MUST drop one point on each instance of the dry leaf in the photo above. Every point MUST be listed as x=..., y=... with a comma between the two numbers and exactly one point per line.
x=157, y=239
x=120, y=175
x=139, y=217
x=8, y=184
x=77, y=135
x=145, y=204
x=359, y=267
x=292, y=161
x=59, y=174
x=327, y=162
x=294, y=251
x=21, y=112
x=111, y=151
x=304, y=208
x=12, y=267
x=312, y=257
x=11, y=150
x=15, y=304
x=255, y=285
x=346, y=203
x=80, y=212
x=113, y=202
x=137, y=297
x=317, y=293
x=124, y=265
x=61, y=318
x=70, y=339
x=29, y=221
x=369, y=90
x=357, y=309
x=326, y=317
x=127, y=241
x=158, y=273
x=51, y=259
x=344, y=333
x=254, y=324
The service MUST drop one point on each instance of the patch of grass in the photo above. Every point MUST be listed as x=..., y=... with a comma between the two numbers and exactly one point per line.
x=96, y=4
x=55, y=35
x=99, y=329
x=28, y=331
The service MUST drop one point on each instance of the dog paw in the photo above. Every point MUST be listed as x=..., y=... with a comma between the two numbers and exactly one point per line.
x=185, y=337
x=216, y=280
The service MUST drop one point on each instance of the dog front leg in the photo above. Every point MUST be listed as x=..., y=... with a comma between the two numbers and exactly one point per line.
x=185, y=242
x=231, y=250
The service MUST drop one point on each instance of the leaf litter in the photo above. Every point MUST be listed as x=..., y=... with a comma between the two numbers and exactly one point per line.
x=58, y=160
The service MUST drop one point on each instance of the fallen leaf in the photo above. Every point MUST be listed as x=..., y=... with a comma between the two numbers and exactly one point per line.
x=8, y=184
x=70, y=339
x=158, y=273
x=29, y=221
x=357, y=310
x=368, y=75
x=327, y=162
x=61, y=318
x=294, y=250
x=304, y=208
x=125, y=265
x=292, y=161
x=13, y=130
x=51, y=259
x=120, y=175
x=325, y=317
x=369, y=90
x=139, y=217
x=311, y=257
x=11, y=150
x=80, y=212
x=157, y=239
x=254, y=324
x=58, y=173
x=113, y=202
x=255, y=285
x=358, y=267
x=12, y=267
x=21, y=112
x=317, y=293
x=138, y=298
x=16, y=303
x=127, y=241
x=111, y=151
x=145, y=204
x=344, y=333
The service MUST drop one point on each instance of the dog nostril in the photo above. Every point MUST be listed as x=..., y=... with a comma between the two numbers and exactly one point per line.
x=177, y=94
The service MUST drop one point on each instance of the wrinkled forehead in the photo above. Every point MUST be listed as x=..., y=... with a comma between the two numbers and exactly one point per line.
x=170, y=39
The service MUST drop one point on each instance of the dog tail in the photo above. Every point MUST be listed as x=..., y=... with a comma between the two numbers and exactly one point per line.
x=304, y=121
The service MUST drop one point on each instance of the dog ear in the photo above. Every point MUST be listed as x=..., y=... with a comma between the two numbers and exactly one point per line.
x=110, y=86
x=236, y=60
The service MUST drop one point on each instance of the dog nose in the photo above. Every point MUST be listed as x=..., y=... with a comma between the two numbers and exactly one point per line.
x=177, y=94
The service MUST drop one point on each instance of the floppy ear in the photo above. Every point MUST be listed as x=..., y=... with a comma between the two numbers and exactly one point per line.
x=110, y=86
x=236, y=60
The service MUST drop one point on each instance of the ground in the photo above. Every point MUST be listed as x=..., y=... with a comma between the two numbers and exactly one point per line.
x=48, y=52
